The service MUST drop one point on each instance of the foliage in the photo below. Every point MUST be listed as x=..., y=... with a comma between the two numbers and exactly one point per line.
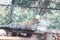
x=4, y=14
x=23, y=14
x=24, y=2
x=55, y=21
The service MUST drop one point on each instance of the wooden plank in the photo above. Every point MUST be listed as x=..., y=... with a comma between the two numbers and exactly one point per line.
x=9, y=38
x=17, y=38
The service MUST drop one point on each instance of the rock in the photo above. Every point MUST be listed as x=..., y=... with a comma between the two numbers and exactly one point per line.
x=3, y=32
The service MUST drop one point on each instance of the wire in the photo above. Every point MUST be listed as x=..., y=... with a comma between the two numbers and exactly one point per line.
x=41, y=8
x=4, y=5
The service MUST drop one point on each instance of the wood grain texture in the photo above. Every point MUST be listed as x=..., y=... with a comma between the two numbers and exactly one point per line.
x=18, y=38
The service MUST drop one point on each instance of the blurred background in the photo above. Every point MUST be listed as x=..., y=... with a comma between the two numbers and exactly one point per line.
x=23, y=10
